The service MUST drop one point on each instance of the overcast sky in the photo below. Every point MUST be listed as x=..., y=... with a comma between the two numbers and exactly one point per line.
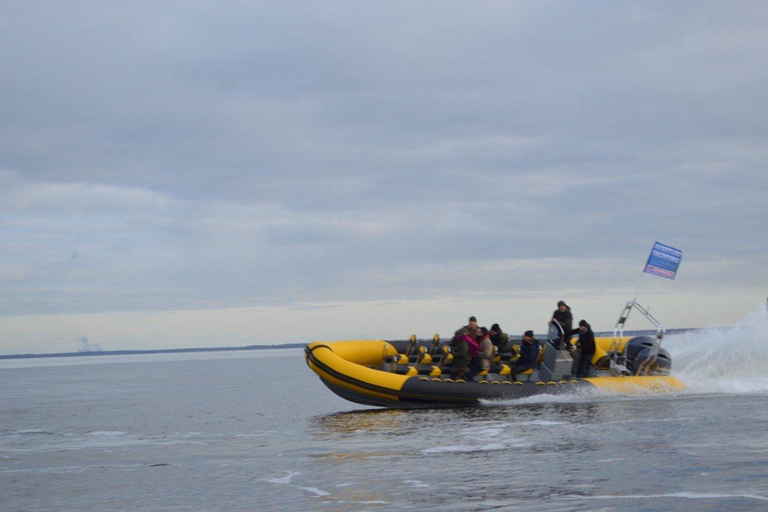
x=178, y=174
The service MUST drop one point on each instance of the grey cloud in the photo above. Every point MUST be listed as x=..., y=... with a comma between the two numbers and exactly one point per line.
x=247, y=153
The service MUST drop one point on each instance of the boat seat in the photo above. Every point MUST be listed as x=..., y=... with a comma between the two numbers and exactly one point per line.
x=431, y=370
x=504, y=371
x=412, y=351
x=446, y=358
x=437, y=360
x=511, y=357
x=406, y=370
x=435, y=372
x=435, y=349
x=496, y=355
x=424, y=363
x=526, y=373
x=421, y=364
x=395, y=362
x=396, y=359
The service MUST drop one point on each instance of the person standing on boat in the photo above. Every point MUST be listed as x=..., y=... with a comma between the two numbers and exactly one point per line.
x=498, y=337
x=474, y=353
x=586, y=347
x=482, y=361
x=564, y=318
x=529, y=353
x=471, y=329
x=460, y=351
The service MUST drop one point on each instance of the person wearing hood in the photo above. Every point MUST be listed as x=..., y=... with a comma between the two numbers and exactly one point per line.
x=586, y=348
x=564, y=318
x=529, y=353
x=498, y=337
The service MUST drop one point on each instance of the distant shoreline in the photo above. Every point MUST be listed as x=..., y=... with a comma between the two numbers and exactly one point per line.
x=251, y=347
x=156, y=351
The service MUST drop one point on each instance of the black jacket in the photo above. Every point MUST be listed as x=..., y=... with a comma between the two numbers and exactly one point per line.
x=586, y=342
x=565, y=318
x=500, y=340
x=529, y=353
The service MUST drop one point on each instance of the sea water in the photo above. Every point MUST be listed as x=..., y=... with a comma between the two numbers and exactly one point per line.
x=257, y=430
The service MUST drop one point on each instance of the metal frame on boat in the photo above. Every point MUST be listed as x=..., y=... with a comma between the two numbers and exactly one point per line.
x=618, y=362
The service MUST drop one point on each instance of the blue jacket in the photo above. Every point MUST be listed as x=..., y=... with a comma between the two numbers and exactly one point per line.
x=529, y=352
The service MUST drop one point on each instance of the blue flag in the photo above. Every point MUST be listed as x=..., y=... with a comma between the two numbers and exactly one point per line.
x=663, y=261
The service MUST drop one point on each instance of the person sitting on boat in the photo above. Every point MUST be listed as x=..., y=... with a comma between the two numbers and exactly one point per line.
x=498, y=337
x=563, y=317
x=482, y=361
x=586, y=348
x=529, y=353
x=470, y=329
x=460, y=351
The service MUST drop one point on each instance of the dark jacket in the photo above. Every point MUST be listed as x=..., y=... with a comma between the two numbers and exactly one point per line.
x=565, y=318
x=529, y=352
x=460, y=351
x=586, y=342
x=469, y=331
x=500, y=339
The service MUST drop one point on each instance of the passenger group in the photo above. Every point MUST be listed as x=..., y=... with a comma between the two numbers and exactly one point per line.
x=474, y=347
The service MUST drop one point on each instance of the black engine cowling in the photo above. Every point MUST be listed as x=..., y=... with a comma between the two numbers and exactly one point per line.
x=640, y=356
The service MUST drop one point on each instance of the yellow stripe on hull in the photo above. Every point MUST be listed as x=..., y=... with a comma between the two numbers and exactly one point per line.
x=637, y=385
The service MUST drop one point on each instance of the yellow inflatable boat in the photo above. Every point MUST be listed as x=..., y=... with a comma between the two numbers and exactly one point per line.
x=419, y=373
x=416, y=373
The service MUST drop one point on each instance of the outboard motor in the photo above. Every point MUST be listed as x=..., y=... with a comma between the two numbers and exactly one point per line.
x=645, y=356
x=635, y=346
x=660, y=365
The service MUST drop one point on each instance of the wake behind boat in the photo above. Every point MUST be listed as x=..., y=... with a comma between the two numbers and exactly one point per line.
x=418, y=373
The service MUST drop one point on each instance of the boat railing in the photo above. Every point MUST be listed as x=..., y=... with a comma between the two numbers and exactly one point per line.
x=618, y=364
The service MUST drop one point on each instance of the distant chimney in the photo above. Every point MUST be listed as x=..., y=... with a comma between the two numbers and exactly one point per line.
x=83, y=345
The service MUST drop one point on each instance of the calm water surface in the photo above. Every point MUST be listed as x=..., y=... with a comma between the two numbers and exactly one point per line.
x=258, y=431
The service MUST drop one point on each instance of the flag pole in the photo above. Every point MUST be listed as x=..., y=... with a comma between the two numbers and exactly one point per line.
x=639, y=282
x=642, y=273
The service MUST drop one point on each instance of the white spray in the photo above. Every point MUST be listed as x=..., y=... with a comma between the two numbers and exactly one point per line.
x=730, y=360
